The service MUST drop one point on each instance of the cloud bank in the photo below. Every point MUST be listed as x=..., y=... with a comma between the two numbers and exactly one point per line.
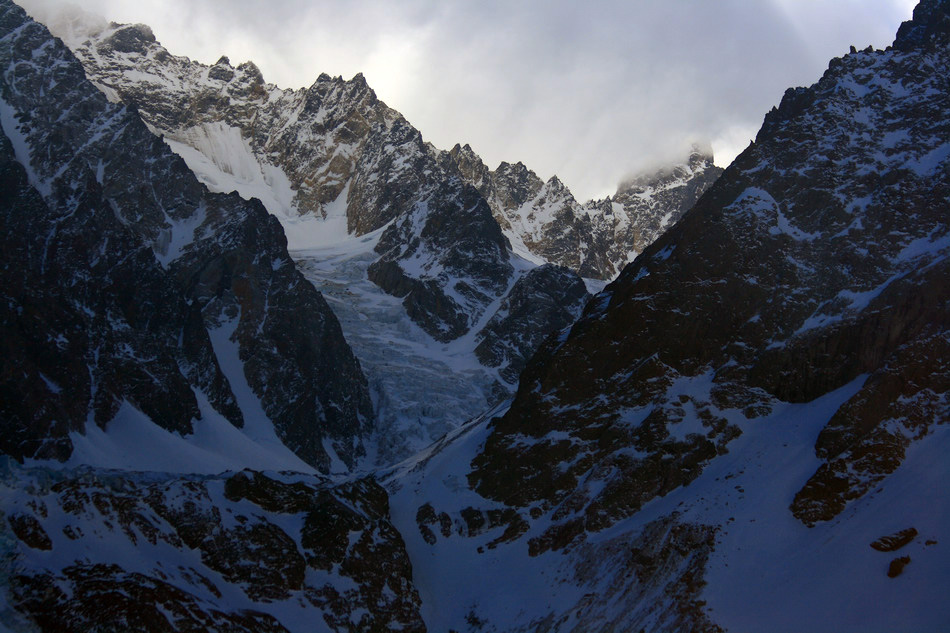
x=590, y=91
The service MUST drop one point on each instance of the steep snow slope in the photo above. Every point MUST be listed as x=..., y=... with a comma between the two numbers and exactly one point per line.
x=817, y=261
x=745, y=431
x=333, y=163
x=328, y=162
x=723, y=551
x=422, y=388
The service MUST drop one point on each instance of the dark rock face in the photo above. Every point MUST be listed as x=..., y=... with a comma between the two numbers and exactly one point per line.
x=511, y=186
x=469, y=166
x=448, y=259
x=896, y=541
x=817, y=257
x=868, y=437
x=929, y=28
x=125, y=281
x=546, y=300
x=216, y=554
x=30, y=531
x=896, y=567
x=654, y=202
x=320, y=137
x=106, y=597
x=470, y=522
x=113, y=336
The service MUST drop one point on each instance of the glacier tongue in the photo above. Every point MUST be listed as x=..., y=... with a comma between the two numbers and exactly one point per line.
x=421, y=388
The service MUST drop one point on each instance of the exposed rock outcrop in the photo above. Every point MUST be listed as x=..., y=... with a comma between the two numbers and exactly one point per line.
x=546, y=300
x=233, y=553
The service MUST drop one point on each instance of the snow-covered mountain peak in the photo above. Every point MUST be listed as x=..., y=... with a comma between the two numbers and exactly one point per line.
x=555, y=186
x=355, y=88
x=181, y=312
x=300, y=151
x=746, y=431
x=699, y=159
x=544, y=222
x=347, y=175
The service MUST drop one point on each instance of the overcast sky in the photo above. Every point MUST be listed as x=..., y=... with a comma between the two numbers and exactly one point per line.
x=591, y=91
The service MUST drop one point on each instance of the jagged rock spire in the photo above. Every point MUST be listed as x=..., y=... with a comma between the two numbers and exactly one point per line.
x=930, y=25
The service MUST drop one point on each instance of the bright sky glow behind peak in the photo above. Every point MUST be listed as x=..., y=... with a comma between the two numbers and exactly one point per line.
x=590, y=91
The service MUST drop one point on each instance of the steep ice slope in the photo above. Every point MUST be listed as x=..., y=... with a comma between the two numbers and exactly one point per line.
x=222, y=159
x=424, y=388
x=421, y=388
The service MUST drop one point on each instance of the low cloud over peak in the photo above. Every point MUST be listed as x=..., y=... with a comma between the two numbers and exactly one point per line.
x=591, y=92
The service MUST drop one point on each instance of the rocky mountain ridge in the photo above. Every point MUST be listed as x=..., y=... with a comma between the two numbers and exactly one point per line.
x=131, y=290
x=337, y=139
x=240, y=552
x=335, y=164
x=815, y=268
x=596, y=238
x=333, y=160
x=331, y=150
